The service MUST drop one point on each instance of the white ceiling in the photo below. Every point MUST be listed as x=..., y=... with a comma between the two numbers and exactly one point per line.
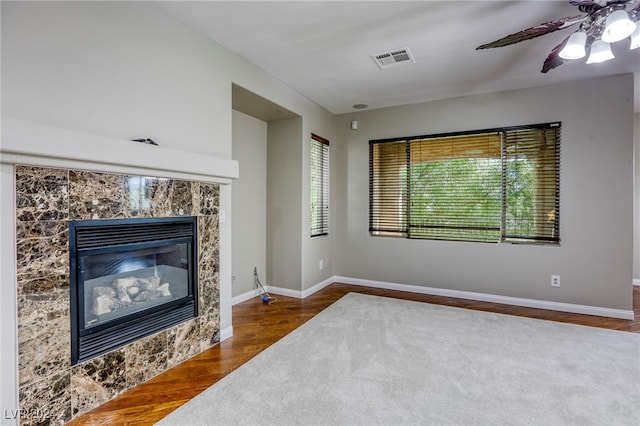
x=323, y=49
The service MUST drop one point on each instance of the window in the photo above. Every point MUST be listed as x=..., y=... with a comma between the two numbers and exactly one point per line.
x=487, y=186
x=319, y=186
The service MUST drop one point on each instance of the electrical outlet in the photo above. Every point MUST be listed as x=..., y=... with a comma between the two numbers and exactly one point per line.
x=555, y=280
x=233, y=280
x=321, y=264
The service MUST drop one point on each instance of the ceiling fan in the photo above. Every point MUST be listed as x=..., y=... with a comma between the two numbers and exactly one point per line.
x=602, y=22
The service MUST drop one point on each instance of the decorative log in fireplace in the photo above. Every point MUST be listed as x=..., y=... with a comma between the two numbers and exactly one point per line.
x=129, y=278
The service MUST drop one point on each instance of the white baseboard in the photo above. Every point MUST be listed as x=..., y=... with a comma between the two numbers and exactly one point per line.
x=283, y=291
x=301, y=294
x=483, y=297
x=244, y=297
x=225, y=333
x=316, y=288
x=517, y=301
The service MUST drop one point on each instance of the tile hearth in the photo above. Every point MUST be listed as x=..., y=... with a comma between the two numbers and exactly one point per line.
x=46, y=199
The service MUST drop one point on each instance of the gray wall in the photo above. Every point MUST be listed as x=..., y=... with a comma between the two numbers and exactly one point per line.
x=284, y=209
x=129, y=69
x=273, y=184
x=596, y=205
x=318, y=262
x=249, y=202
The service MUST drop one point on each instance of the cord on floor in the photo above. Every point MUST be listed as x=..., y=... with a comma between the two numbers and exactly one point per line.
x=267, y=299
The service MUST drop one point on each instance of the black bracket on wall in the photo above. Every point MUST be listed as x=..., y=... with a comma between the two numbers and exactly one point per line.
x=147, y=141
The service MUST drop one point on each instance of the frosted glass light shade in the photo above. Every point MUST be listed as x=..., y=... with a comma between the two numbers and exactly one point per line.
x=600, y=52
x=574, y=48
x=635, y=38
x=618, y=26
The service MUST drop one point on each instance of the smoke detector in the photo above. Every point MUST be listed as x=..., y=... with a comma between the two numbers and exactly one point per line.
x=394, y=58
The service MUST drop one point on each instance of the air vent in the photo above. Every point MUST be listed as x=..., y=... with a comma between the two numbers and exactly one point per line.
x=393, y=59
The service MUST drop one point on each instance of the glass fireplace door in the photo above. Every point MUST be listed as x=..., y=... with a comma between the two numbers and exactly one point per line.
x=130, y=278
x=119, y=283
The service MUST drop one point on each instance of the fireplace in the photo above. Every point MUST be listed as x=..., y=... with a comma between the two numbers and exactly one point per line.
x=129, y=278
x=48, y=201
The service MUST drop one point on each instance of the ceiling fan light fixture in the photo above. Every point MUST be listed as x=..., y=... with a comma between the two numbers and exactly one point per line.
x=574, y=48
x=635, y=38
x=600, y=52
x=618, y=26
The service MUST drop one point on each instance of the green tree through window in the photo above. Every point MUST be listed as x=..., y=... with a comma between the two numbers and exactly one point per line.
x=456, y=198
x=490, y=186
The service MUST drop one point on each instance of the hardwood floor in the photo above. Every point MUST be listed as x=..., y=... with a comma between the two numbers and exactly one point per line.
x=256, y=326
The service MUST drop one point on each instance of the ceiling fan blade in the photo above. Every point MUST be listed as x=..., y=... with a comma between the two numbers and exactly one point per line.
x=583, y=3
x=596, y=4
x=554, y=60
x=534, y=32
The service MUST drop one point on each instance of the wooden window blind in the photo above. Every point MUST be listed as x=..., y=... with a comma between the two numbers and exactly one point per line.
x=531, y=176
x=388, y=188
x=486, y=186
x=319, y=186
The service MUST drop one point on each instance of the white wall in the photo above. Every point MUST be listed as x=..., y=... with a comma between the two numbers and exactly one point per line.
x=249, y=205
x=125, y=70
x=596, y=228
x=129, y=70
x=8, y=296
x=636, y=199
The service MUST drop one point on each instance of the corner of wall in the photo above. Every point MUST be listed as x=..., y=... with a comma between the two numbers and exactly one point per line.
x=8, y=297
x=636, y=195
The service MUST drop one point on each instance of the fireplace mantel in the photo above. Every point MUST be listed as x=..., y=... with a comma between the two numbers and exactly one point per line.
x=34, y=144
x=72, y=157
x=36, y=309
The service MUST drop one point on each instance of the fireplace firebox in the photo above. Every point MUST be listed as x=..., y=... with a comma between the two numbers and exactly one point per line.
x=129, y=278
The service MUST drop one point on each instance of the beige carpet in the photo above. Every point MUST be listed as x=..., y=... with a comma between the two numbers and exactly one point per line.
x=370, y=360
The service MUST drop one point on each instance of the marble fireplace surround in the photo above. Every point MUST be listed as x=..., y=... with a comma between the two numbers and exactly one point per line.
x=52, y=188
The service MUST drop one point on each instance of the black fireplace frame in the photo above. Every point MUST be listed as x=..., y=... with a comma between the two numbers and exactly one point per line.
x=88, y=237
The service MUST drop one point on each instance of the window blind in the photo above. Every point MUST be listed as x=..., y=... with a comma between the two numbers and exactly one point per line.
x=531, y=175
x=388, y=188
x=455, y=184
x=319, y=186
x=487, y=186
